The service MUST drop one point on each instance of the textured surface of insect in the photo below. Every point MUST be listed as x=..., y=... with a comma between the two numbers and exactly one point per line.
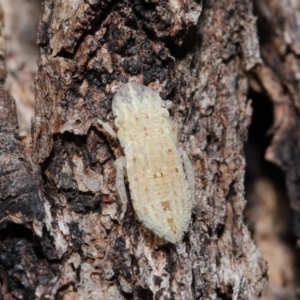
x=161, y=191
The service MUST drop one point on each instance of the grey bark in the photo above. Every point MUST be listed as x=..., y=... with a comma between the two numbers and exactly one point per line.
x=67, y=241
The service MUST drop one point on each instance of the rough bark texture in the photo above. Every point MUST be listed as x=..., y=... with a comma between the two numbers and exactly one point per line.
x=69, y=243
x=21, y=209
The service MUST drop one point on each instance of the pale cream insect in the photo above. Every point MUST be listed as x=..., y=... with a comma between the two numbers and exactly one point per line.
x=159, y=188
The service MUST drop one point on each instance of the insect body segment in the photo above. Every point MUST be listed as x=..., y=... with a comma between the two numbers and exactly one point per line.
x=160, y=193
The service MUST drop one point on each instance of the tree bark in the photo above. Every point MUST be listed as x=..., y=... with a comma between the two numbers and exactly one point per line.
x=21, y=19
x=276, y=81
x=278, y=78
x=61, y=236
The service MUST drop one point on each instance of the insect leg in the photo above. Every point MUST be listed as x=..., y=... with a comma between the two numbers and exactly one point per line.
x=189, y=171
x=120, y=164
x=107, y=128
